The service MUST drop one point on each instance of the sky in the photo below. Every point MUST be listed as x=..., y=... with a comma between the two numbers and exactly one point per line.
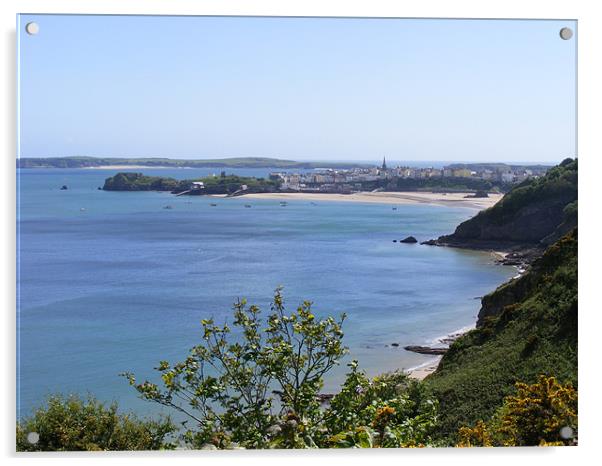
x=297, y=88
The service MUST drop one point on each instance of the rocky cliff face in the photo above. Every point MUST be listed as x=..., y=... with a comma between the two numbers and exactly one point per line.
x=562, y=253
x=534, y=214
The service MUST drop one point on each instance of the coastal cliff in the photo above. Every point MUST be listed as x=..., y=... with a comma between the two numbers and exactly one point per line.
x=526, y=327
x=530, y=217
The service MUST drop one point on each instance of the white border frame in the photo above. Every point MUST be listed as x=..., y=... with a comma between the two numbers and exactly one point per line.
x=589, y=117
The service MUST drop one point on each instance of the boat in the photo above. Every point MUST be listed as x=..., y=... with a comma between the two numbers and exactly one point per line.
x=283, y=203
x=212, y=205
x=168, y=207
x=247, y=205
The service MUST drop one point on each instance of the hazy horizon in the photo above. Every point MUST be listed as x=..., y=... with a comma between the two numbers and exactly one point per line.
x=358, y=161
x=304, y=89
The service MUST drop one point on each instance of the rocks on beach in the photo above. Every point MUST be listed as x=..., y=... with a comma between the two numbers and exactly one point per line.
x=425, y=349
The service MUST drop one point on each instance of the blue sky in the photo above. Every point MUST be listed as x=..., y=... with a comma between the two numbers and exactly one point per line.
x=304, y=89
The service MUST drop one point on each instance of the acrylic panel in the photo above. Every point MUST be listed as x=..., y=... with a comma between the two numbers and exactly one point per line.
x=272, y=232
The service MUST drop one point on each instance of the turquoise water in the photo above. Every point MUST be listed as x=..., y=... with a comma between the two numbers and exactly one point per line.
x=124, y=283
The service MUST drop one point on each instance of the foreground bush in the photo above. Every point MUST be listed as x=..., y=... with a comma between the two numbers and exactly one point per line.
x=73, y=424
x=388, y=411
x=544, y=413
x=228, y=385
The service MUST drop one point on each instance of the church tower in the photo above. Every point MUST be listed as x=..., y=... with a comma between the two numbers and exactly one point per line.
x=384, y=167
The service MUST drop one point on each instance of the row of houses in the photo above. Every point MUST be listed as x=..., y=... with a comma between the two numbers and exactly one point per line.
x=329, y=177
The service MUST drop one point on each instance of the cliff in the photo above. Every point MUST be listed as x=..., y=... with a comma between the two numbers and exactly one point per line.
x=532, y=215
x=526, y=327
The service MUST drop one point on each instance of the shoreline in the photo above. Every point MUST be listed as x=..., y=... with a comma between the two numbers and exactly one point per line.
x=391, y=198
x=423, y=370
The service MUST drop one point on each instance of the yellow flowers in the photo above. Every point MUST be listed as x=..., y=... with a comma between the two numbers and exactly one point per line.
x=538, y=414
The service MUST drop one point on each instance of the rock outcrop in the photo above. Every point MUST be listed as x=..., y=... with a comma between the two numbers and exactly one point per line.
x=531, y=216
x=425, y=349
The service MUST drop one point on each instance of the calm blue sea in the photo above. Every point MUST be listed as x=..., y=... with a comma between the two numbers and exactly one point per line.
x=111, y=281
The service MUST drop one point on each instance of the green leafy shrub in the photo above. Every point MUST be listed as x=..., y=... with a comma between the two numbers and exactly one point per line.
x=388, y=411
x=225, y=387
x=74, y=424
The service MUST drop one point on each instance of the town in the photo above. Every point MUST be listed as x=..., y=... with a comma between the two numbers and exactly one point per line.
x=483, y=176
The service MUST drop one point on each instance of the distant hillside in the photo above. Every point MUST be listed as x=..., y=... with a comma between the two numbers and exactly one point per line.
x=238, y=162
x=526, y=327
x=534, y=213
x=499, y=167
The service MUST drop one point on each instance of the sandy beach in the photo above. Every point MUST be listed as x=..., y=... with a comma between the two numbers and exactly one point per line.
x=421, y=372
x=445, y=199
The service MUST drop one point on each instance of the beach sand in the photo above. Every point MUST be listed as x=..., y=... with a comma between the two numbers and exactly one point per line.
x=449, y=199
x=421, y=372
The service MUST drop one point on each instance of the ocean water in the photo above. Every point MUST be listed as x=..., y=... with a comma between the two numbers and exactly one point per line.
x=111, y=281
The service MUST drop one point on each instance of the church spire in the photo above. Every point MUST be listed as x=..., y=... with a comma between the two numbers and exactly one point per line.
x=384, y=167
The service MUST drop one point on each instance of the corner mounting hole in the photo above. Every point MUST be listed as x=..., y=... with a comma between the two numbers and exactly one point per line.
x=32, y=28
x=33, y=437
x=566, y=33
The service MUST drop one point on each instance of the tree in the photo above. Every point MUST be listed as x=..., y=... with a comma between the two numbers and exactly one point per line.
x=225, y=387
x=73, y=424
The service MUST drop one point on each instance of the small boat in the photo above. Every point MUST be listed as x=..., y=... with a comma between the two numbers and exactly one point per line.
x=394, y=208
x=283, y=203
x=168, y=207
x=212, y=205
x=247, y=205
x=82, y=209
x=313, y=203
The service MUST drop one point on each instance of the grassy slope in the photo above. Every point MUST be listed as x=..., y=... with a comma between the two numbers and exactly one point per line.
x=537, y=334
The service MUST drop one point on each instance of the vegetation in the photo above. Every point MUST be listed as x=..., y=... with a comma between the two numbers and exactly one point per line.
x=140, y=182
x=544, y=413
x=389, y=411
x=73, y=424
x=229, y=184
x=227, y=387
x=234, y=162
x=224, y=184
x=527, y=327
x=529, y=213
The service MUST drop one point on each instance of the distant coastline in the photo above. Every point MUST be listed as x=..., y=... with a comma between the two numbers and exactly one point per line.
x=164, y=162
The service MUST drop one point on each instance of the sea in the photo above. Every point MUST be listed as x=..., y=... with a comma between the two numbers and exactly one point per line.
x=113, y=282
